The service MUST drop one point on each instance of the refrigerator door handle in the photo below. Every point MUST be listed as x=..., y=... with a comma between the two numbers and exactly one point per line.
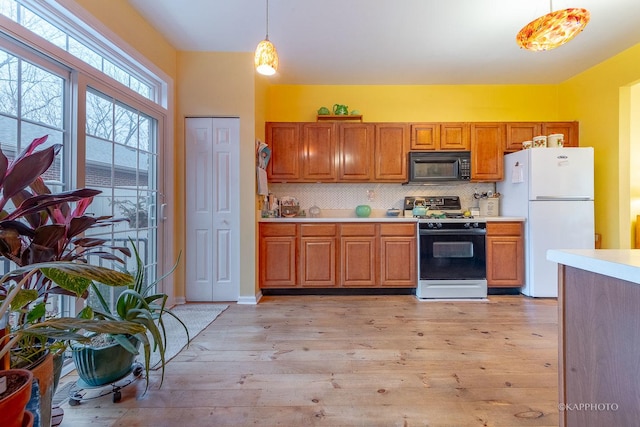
x=578, y=198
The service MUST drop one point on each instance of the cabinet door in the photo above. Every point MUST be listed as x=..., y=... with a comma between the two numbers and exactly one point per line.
x=391, y=147
x=425, y=136
x=505, y=261
x=357, y=267
x=398, y=261
x=318, y=261
x=284, y=141
x=318, y=255
x=519, y=132
x=454, y=136
x=318, y=152
x=487, y=140
x=505, y=254
x=568, y=129
x=358, y=255
x=355, y=151
x=277, y=262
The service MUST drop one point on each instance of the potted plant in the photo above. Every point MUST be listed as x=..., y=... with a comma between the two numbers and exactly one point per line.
x=15, y=392
x=137, y=304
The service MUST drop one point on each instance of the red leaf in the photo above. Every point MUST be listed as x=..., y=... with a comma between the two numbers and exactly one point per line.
x=24, y=171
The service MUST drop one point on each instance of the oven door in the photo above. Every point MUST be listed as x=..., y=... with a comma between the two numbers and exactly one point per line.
x=452, y=254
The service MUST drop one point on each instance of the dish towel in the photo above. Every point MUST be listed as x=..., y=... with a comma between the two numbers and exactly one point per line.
x=263, y=188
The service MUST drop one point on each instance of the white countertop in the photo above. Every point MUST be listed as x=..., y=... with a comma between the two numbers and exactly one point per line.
x=623, y=264
x=377, y=215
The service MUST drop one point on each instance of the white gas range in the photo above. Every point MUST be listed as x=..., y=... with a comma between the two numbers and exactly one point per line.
x=451, y=250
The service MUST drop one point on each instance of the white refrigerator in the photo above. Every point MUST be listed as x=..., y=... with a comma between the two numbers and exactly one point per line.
x=553, y=189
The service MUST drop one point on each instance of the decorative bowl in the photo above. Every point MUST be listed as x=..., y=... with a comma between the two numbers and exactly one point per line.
x=393, y=212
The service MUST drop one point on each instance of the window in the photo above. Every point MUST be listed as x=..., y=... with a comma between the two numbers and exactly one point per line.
x=112, y=142
x=45, y=20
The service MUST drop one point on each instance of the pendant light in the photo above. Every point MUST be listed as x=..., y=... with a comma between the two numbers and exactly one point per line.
x=266, y=58
x=553, y=29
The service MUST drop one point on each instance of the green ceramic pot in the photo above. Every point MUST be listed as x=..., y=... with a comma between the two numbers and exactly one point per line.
x=363, y=211
x=98, y=366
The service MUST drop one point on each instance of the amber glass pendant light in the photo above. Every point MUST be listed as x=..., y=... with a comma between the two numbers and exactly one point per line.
x=266, y=58
x=553, y=29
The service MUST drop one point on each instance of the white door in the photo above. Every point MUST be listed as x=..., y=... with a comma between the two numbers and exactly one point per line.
x=212, y=211
x=561, y=173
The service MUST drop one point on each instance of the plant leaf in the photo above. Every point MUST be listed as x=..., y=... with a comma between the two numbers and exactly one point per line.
x=23, y=297
x=26, y=169
x=75, y=284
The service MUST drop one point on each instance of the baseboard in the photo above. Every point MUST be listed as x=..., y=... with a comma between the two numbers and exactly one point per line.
x=180, y=300
x=250, y=299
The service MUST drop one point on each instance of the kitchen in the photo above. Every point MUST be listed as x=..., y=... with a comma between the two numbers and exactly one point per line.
x=440, y=178
x=206, y=87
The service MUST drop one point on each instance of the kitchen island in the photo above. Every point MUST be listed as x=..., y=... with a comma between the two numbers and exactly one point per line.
x=599, y=336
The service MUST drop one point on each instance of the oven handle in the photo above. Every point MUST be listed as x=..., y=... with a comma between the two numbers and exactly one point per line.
x=470, y=232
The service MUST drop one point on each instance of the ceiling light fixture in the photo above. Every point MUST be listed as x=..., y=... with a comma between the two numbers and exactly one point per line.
x=266, y=58
x=553, y=29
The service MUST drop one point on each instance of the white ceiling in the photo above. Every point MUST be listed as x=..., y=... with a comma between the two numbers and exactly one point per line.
x=397, y=41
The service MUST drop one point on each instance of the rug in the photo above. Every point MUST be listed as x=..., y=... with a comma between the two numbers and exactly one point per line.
x=196, y=316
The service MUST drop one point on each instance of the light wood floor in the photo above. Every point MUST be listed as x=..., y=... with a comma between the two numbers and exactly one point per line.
x=354, y=361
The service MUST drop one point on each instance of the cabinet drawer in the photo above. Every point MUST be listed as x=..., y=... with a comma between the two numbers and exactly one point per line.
x=318, y=229
x=504, y=228
x=397, y=229
x=358, y=229
x=270, y=229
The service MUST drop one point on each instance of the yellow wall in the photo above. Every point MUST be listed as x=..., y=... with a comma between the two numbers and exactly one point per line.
x=419, y=103
x=128, y=24
x=600, y=98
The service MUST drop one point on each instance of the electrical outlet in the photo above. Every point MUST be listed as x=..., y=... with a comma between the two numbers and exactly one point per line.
x=371, y=195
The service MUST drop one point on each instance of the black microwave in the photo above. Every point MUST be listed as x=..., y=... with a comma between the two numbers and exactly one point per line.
x=439, y=166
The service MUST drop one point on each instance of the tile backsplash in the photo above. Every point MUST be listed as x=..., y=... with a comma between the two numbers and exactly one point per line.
x=376, y=195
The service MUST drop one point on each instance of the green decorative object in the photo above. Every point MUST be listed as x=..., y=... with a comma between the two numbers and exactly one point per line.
x=340, y=110
x=323, y=111
x=363, y=211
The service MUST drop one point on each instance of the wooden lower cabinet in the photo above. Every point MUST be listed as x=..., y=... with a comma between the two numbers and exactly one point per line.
x=328, y=255
x=398, y=255
x=358, y=255
x=277, y=255
x=317, y=259
x=505, y=254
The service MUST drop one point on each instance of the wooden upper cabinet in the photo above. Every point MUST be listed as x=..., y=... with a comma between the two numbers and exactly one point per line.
x=425, y=136
x=568, y=129
x=318, y=152
x=355, y=151
x=487, y=142
x=440, y=136
x=390, y=152
x=517, y=132
x=284, y=141
x=455, y=136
